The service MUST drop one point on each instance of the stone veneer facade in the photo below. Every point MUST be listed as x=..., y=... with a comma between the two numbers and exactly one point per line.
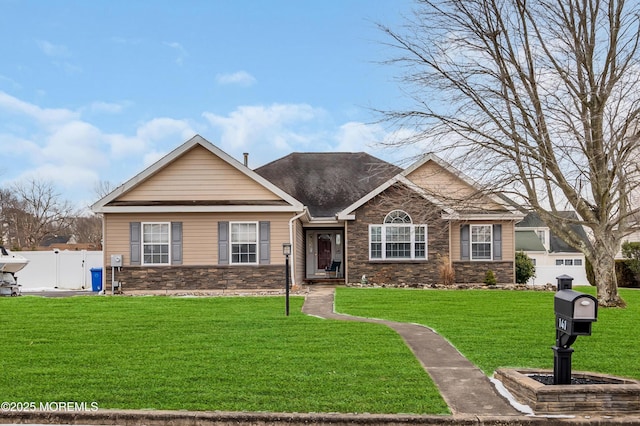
x=473, y=272
x=417, y=272
x=396, y=272
x=198, y=277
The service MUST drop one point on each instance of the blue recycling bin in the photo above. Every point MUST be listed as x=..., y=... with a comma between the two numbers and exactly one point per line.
x=96, y=279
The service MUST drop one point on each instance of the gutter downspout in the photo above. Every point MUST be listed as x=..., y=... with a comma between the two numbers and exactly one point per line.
x=293, y=251
x=104, y=254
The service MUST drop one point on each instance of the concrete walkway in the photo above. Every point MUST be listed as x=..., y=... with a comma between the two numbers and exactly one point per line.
x=463, y=386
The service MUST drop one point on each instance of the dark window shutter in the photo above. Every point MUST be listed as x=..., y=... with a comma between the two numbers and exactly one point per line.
x=135, y=248
x=464, y=242
x=497, y=242
x=176, y=243
x=223, y=243
x=265, y=247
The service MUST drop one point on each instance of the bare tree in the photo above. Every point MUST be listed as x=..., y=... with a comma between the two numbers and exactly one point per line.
x=10, y=212
x=103, y=188
x=88, y=229
x=541, y=100
x=39, y=212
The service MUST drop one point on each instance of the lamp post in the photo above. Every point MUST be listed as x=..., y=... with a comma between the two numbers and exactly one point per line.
x=286, y=250
x=57, y=252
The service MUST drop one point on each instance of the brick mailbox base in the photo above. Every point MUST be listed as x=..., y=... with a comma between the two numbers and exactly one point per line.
x=612, y=395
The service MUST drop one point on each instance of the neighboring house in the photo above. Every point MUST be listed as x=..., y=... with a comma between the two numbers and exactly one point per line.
x=633, y=237
x=550, y=254
x=199, y=219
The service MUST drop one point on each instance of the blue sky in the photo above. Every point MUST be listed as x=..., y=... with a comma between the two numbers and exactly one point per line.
x=98, y=90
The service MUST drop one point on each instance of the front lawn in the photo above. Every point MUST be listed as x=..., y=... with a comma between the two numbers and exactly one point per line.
x=495, y=328
x=238, y=354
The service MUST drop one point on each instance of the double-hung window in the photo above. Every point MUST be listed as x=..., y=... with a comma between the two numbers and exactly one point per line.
x=244, y=242
x=481, y=242
x=397, y=238
x=155, y=243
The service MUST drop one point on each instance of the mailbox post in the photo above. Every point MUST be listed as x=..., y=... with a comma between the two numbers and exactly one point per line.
x=575, y=312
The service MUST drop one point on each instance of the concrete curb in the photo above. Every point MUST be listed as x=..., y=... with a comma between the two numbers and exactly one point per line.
x=219, y=418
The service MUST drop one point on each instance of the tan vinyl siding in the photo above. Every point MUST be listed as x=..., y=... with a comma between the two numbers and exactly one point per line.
x=508, y=238
x=446, y=185
x=455, y=241
x=198, y=175
x=299, y=247
x=199, y=233
x=508, y=241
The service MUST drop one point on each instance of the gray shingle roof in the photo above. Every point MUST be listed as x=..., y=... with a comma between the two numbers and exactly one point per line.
x=527, y=240
x=328, y=182
x=556, y=244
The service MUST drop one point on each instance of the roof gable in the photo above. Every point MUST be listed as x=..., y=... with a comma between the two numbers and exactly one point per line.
x=453, y=187
x=197, y=174
x=445, y=187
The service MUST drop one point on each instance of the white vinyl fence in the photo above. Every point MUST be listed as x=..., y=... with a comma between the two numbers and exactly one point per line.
x=64, y=269
x=548, y=275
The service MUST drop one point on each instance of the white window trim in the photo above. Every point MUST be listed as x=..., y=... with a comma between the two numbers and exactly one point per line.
x=490, y=258
x=257, y=242
x=142, y=243
x=383, y=237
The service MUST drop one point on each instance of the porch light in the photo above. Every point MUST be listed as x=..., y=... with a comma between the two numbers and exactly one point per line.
x=286, y=249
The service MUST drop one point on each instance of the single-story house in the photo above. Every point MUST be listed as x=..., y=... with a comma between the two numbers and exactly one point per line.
x=200, y=219
x=551, y=255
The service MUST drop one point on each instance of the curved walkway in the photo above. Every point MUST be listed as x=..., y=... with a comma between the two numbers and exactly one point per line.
x=463, y=386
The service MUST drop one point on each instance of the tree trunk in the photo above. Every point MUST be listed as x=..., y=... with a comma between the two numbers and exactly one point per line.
x=605, y=276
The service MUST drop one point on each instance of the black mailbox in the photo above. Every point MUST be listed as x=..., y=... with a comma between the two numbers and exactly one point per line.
x=575, y=312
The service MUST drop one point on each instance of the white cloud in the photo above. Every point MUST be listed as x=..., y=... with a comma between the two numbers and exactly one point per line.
x=59, y=54
x=10, y=81
x=182, y=52
x=75, y=144
x=67, y=67
x=158, y=132
x=122, y=146
x=53, y=50
x=240, y=78
x=17, y=146
x=43, y=115
x=108, y=107
x=161, y=128
x=69, y=180
x=151, y=157
x=268, y=131
x=355, y=137
x=278, y=126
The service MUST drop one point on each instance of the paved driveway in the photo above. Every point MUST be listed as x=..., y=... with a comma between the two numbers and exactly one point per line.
x=59, y=293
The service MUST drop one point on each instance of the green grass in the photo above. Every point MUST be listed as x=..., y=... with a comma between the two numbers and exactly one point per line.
x=239, y=354
x=496, y=328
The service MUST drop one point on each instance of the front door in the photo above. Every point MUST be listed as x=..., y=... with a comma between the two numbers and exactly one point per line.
x=323, y=247
x=324, y=251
